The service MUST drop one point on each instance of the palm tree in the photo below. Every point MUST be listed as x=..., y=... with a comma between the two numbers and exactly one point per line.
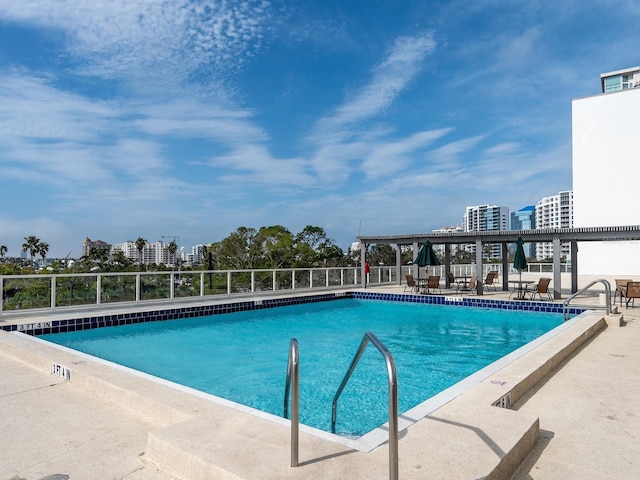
x=140, y=244
x=43, y=248
x=31, y=245
x=172, y=247
x=3, y=251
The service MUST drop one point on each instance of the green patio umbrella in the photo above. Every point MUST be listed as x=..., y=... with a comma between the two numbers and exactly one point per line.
x=520, y=259
x=426, y=256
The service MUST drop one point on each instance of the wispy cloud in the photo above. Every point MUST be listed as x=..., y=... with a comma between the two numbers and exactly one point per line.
x=151, y=43
x=388, y=79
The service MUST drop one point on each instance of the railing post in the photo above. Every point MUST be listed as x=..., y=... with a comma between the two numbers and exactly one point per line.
x=138, y=295
x=98, y=289
x=53, y=292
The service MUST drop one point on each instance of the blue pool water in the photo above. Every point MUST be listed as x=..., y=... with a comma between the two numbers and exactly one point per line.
x=243, y=356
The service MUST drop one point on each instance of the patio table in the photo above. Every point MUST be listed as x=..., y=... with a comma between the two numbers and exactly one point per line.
x=520, y=286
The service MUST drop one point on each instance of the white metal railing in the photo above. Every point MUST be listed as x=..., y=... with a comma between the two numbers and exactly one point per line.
x=25, y=293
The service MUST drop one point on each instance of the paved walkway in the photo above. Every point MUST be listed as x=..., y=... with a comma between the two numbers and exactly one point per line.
x=589, y=411
x=52, y=430
x=589, y=416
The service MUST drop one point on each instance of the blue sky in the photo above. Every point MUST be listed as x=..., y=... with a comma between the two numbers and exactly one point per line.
x=154, y=118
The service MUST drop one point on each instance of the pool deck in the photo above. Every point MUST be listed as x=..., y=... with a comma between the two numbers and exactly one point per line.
x=574, y=414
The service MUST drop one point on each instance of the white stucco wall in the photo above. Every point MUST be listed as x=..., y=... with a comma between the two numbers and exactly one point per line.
x=606, y=178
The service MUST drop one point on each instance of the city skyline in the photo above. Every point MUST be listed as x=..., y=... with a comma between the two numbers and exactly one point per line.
x=194, y=118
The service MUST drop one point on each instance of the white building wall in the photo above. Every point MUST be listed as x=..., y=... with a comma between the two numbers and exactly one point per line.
x=606, y=176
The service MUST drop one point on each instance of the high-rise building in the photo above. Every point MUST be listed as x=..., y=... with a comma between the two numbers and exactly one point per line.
x=88, y=245
x=605, y=170
x=439, y=248
x=555, y=211
x=481, y=218
x=525, y=219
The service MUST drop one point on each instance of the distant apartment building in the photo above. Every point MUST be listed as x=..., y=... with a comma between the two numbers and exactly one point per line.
x=605, y=145
x=525, y=219
x=196, y=257
x=439, y=248
x=88, y=245
x=128, y=248
x=555, y=211
x=481, y=218
x=152, y=253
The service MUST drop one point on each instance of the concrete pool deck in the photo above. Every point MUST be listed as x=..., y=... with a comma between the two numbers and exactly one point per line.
x=581, y=421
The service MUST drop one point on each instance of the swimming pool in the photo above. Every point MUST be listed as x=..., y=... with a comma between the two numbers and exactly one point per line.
x=243, y=356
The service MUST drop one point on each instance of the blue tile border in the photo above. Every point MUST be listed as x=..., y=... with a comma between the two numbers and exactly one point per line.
x=90, y=322
x=469, y=301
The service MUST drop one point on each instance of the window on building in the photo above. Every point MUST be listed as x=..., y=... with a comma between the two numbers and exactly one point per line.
x=618, y=82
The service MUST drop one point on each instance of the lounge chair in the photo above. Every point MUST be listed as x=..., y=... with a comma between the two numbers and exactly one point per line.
x=632, y=292
x=621, y=289
x=411, y=283
x=491, y=279
x=433, y=283
x=541, y=288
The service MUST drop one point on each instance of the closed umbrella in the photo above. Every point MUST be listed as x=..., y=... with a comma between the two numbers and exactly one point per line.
x=426, y=256
x=520, y=259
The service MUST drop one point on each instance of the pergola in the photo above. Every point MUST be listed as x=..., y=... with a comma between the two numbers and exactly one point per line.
x=554, y=235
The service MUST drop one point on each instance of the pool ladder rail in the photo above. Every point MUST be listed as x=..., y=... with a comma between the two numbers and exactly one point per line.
x=292, y=383
x=607, y=291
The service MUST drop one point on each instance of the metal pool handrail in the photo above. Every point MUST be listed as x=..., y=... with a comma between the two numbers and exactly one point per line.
x=393, y=398
x=293, y=383
x=607, y=290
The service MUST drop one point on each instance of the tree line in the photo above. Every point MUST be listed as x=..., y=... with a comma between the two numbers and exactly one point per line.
x=246, y=248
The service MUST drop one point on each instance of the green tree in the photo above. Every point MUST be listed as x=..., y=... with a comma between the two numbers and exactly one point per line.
x=43, y=249
x=31, y=245
x=119, y=261
x=140, y=244
x=315, y=248
x=236, y=252
x=276, y=247
x=382, y=254
x=3, y=251
x=173, y=248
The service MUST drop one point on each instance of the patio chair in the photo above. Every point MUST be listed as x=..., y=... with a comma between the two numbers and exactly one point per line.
x=451, y=280
x=470, y=287
x=433, y=283
x=491, y=279
x=621, y=289
x=411, y=283
x=541, y=288
x=632, y=292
